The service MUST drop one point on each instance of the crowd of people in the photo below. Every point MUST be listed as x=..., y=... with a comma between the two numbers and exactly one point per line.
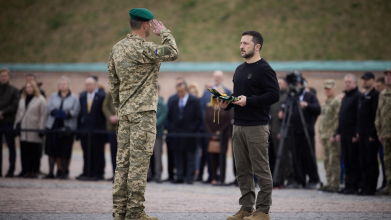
x=353, y=131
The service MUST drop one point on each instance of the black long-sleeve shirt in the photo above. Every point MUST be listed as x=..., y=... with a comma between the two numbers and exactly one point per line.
x=348, y=112
x=367, y=113
x=258, y=82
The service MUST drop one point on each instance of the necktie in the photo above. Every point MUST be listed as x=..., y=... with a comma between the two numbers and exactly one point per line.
x=181, y=106
x=89, y=103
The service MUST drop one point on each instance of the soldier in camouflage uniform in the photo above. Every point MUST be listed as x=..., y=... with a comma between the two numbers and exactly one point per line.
x=383, y=127
x=133, y=77
x=327, y=131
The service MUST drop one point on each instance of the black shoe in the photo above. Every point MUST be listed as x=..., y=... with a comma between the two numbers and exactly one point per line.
x=198, y=179
x=349, y=192
x=168, y=180
x=341, y=191
x=97, y=178
x=21, y=174
x=49, y=176
x=64, y=177
x=177, y=181
x=82, y=177
x=311, y=186
x=59, y=174
x=10, y=175
x=207, y=181
x=190, y=182
x=158, y=180
x=294, y=185
x=110, y=179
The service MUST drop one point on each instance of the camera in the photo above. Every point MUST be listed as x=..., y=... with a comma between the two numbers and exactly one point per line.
x=293, y=78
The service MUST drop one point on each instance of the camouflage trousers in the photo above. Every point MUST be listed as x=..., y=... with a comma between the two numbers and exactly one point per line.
x=136, y=137
x=387, y=162
x=332, y=162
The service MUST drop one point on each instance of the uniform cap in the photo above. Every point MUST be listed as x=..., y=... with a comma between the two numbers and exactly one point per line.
x=368, y=75
x=329, y=83
x=140, y=14
x=387, y=71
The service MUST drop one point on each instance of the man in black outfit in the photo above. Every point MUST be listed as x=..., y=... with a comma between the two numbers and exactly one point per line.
x=367, y=136
x=347, y=134
x=8, y=106
x=302, y=159
x=255, y=83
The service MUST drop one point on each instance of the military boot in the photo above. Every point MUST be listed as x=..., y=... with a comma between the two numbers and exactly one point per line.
x=119, y=218
x=144, y=217
x=258, y=216
x=239, y=215
x=324, y=188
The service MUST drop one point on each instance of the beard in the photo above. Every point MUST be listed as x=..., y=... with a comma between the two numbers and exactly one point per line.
x=249, y=54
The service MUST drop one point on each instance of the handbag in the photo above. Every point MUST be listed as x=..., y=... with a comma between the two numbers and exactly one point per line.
x=214, y=146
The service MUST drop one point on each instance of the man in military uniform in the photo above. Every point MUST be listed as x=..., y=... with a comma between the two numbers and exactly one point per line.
x=285, y=168
x=133, y=77
x=383, y=127
x=327, y=131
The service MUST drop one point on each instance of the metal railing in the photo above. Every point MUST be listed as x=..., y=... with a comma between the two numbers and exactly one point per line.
x=90, y=132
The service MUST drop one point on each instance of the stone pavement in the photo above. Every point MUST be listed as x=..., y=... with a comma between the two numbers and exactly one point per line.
x=72, y=199
x=56, y=199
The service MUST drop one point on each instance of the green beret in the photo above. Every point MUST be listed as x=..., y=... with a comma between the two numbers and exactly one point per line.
x=140, y=14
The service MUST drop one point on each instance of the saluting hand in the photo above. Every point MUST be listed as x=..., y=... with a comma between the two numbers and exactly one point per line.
x=158, y=26
x=242, y=101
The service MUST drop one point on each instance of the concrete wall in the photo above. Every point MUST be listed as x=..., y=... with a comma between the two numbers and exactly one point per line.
x=167, y=80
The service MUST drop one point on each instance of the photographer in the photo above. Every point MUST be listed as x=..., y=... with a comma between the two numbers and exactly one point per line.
x=303, y=160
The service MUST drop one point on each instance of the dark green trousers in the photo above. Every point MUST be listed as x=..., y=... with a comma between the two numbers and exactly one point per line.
x=250, y=147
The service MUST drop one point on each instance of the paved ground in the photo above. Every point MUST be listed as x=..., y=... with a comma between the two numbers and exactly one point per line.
x=71, y=199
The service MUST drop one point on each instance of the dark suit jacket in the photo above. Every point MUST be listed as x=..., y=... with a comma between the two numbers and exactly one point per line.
x=187, y=122
x=96, y=118
x=310, y=113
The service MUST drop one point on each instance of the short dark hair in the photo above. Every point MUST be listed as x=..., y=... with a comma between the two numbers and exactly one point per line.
x=181, y=84
x=135, y=25
x=257, y=37
x=96, y=78
x=381, y=80
x=312, y=90
x=31, y=74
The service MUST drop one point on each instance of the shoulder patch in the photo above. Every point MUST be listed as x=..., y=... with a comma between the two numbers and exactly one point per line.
x=162, y=51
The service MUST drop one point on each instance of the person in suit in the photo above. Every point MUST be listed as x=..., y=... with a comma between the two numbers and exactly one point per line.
x=302, y=158
x=31, y=114
x=170, y=154
x=92, y=117
x=184, y=116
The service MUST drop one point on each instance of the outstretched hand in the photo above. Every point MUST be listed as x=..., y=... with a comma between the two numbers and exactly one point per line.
x=242, y=102
x=158, y=26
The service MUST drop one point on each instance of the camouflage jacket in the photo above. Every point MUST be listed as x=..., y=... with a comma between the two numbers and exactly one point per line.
x=133, y=72
x=383, y=114
x=329, y=118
